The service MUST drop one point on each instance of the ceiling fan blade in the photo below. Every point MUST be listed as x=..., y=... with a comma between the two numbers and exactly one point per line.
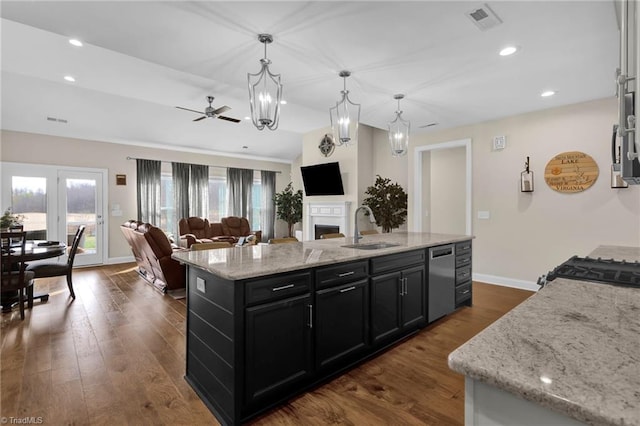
x=192, y=110
x=235, y=120
x=201, y=118
x=221, y=110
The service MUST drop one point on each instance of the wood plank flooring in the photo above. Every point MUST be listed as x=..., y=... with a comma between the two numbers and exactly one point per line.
x=116, y=356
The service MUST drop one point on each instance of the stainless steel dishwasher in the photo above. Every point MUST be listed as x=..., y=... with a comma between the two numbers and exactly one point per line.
x=442, y=284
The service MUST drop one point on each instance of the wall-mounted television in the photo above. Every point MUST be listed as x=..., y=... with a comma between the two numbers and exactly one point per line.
x=322, y=179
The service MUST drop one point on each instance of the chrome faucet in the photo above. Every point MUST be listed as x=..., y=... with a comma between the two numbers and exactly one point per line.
x=356, y=233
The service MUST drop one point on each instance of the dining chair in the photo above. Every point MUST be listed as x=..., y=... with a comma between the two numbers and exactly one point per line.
x=283, y=240
x=46, y=270
x=212, y=245
x=14, y=275
x=336, y=235
x=369, y=232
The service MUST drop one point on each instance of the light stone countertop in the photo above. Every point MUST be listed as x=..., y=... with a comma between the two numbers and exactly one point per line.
x=238, y=263
x=573, y=347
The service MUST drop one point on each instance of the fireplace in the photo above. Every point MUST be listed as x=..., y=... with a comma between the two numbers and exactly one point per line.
x=334, y=214
x=325, y=229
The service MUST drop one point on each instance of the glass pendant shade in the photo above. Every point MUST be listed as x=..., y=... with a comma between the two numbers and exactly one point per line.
x=265, y=92
x=345, y=117
x=399, y=130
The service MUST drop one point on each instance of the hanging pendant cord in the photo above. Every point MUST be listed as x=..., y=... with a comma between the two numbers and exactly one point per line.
x=265, y=50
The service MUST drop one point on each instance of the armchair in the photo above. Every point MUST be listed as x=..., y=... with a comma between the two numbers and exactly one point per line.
x=239, y=227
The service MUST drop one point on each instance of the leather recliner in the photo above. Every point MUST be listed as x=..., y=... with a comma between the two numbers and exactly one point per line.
x=239, y=227
x=152, y=251
x=194, y=230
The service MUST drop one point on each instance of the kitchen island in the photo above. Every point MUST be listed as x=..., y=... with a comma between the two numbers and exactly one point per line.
x=267, y=322
x=568, y=355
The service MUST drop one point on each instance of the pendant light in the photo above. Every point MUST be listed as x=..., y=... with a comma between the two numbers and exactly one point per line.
x=345, y=116
x=399, y=132
x=265, y=92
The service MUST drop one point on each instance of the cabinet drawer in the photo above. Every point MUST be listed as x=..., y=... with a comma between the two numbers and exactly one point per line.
x=277, y=287
x=463, y=292
x=463, y=260
x=463, y=247
x=343, y=273
x=397, y=261
x=463, y=274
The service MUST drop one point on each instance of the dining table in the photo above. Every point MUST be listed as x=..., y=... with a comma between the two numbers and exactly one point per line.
x=33, y=250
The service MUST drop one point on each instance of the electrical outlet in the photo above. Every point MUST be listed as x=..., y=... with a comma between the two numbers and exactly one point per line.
x=483, y=214
x=201, y=285
x=499, y=142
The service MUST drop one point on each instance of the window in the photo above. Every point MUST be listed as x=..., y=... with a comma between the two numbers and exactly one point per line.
x=168, y=220
x=29, y=199
x=256, y=201
x=217, y=194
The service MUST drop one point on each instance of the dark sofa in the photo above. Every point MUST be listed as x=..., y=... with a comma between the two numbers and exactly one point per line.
x=152, y=250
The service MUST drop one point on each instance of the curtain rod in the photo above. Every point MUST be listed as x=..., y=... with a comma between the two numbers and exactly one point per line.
x=208, y=165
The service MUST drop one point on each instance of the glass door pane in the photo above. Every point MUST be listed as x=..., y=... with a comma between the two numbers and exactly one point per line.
x=29, y=200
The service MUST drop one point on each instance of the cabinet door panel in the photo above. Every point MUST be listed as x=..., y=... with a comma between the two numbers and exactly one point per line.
x=413, y=301
x=278, y=345
x=342, y=317
x=385, y=305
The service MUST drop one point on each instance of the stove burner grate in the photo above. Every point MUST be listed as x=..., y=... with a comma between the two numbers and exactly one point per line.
x=599, y=270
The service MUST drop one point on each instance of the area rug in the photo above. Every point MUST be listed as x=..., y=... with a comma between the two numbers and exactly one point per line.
x=179, y=293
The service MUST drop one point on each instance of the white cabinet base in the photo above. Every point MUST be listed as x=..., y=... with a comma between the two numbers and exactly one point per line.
x=485, y=405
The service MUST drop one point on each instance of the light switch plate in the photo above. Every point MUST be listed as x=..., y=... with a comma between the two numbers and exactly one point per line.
x=483, y=214
x=499, y=142
x=201, y=285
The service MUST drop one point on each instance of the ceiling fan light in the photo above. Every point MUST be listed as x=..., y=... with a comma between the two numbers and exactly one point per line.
x=265, y=92
x=399, y=130
x=345, y=117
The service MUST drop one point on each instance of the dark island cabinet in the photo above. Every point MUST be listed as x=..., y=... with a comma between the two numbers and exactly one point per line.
x=342, y=323
x=278, y=346
x=255, y=343
x=398, y=302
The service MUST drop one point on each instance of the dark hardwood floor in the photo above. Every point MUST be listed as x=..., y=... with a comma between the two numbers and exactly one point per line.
x=116, y=356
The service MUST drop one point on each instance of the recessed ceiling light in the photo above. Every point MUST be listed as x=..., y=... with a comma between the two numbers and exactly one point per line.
x=283, y=102
x=547, y=93
x=509, y=50
x=247, y=118
x=75, y=42
x=69, y=78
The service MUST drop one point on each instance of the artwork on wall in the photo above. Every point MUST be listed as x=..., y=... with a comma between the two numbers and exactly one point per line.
x=570, y=172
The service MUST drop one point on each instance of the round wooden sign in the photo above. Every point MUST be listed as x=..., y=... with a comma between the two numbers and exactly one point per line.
x=572, y=171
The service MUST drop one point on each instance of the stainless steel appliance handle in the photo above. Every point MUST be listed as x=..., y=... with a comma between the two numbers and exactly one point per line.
x=443, y=252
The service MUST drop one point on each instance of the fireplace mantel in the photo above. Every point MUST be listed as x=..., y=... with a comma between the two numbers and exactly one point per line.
x=328, y=213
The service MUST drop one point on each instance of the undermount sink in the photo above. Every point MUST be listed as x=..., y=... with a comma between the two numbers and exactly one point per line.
x=371, y=246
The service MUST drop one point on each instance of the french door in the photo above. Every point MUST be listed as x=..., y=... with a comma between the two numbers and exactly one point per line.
x=80, y=203
x=54, y=201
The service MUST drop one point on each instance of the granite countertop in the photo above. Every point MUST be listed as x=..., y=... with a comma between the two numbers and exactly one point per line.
x=573, y=347
x=253, y=261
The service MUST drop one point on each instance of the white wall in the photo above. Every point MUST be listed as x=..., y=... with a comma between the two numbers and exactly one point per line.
x=53, y=150
x=447, y=179
x=529, y=233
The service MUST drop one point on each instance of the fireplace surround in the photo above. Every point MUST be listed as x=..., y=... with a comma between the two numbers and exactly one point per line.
x=327, y=214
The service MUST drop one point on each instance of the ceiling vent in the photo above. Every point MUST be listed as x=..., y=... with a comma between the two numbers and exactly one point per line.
x=484, y=17
x=59, y=120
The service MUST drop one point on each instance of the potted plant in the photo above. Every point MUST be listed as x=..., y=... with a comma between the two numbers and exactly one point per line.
x=388, y=202
x=8, y=219
x=289, y=206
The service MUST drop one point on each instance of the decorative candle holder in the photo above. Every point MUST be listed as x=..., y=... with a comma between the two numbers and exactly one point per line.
x=526, y=179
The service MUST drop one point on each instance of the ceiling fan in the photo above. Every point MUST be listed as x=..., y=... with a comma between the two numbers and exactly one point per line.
x=211, y=112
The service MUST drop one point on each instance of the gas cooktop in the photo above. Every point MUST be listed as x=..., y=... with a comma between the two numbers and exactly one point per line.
x=598, y=270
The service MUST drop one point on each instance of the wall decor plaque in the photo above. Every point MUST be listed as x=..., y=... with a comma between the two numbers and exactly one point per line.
x=572, y=171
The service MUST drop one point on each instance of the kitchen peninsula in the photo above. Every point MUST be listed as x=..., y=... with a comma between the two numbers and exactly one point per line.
x=568, y=355
x=267, y=322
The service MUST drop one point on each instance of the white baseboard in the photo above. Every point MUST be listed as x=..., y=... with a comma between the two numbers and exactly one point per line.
x=123, y=259
x=506, y=282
